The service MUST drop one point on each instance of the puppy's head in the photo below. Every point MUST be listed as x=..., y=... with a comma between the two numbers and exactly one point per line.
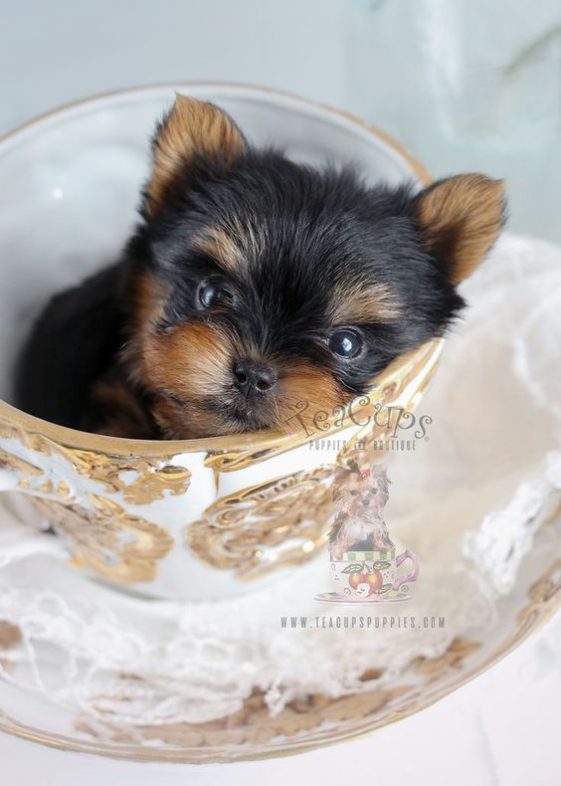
x=267, y=289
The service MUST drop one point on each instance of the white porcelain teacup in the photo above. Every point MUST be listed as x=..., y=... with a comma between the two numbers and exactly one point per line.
x=196, y=519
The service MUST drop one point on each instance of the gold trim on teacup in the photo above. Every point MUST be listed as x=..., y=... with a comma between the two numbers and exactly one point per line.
x=248, y=532
x=107, y=540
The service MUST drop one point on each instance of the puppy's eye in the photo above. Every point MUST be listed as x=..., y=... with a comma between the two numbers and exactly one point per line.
x=345, y=343
x=212, y=293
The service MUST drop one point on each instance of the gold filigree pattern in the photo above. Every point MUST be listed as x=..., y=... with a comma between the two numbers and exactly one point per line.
x=254, y=722
x=451, y=659
x=101, y=535
x=19, y=465
x=548, y=587
x=248, y=531
x=301, y=725
x=140, y=480
x=107, y=539
x=151, y=480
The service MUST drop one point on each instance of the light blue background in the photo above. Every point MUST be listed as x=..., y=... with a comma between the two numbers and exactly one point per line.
x=465, y=84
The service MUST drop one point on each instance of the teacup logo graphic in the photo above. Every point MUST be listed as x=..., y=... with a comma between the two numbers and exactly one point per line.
x=364, y=565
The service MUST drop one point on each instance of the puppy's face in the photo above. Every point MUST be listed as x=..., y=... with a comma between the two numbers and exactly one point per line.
x=266, y=290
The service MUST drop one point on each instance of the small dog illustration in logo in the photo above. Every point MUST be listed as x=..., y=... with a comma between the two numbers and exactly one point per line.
x=359, y=525
x=363, y=561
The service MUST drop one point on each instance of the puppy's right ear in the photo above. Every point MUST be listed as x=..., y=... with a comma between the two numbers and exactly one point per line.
x=190, y=129
x=460, y=218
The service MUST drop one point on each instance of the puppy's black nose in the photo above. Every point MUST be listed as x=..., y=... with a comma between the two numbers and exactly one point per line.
x=253, y=377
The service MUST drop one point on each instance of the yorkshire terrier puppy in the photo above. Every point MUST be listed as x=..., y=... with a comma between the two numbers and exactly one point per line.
x=253, y=288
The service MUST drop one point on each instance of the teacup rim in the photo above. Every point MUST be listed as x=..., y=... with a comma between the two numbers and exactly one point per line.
x=260, y=440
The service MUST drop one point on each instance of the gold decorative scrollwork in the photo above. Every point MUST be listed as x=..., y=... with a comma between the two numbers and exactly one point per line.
x=19, y=465
x=100, y=533
x=107, y=539
x=249, y=531
x=150, y=480
x=140, y=480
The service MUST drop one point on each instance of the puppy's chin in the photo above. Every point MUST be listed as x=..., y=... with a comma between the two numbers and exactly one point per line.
x=197, y=419
x=303, y=402
x=220, y=416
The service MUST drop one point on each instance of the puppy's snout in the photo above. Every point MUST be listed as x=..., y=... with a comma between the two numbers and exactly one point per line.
x=253, y=377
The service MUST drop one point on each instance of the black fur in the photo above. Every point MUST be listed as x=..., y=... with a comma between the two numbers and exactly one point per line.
x=72, y=344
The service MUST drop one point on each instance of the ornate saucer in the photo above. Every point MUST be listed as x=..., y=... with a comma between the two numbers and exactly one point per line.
x=316, y=717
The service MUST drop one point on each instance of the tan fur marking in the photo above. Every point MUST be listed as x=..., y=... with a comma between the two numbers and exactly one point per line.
x=231, y=246
x=363, y=305
x=221, y=247
x=149, y=299
x=304, y=383
x=247, y=236
x=192, y=127
x=191, y=364
x=462, y=218
x=184, y=367
x=192, y=360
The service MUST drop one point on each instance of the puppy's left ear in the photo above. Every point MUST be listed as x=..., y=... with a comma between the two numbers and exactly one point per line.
x=191, y=129
x=460, y=218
